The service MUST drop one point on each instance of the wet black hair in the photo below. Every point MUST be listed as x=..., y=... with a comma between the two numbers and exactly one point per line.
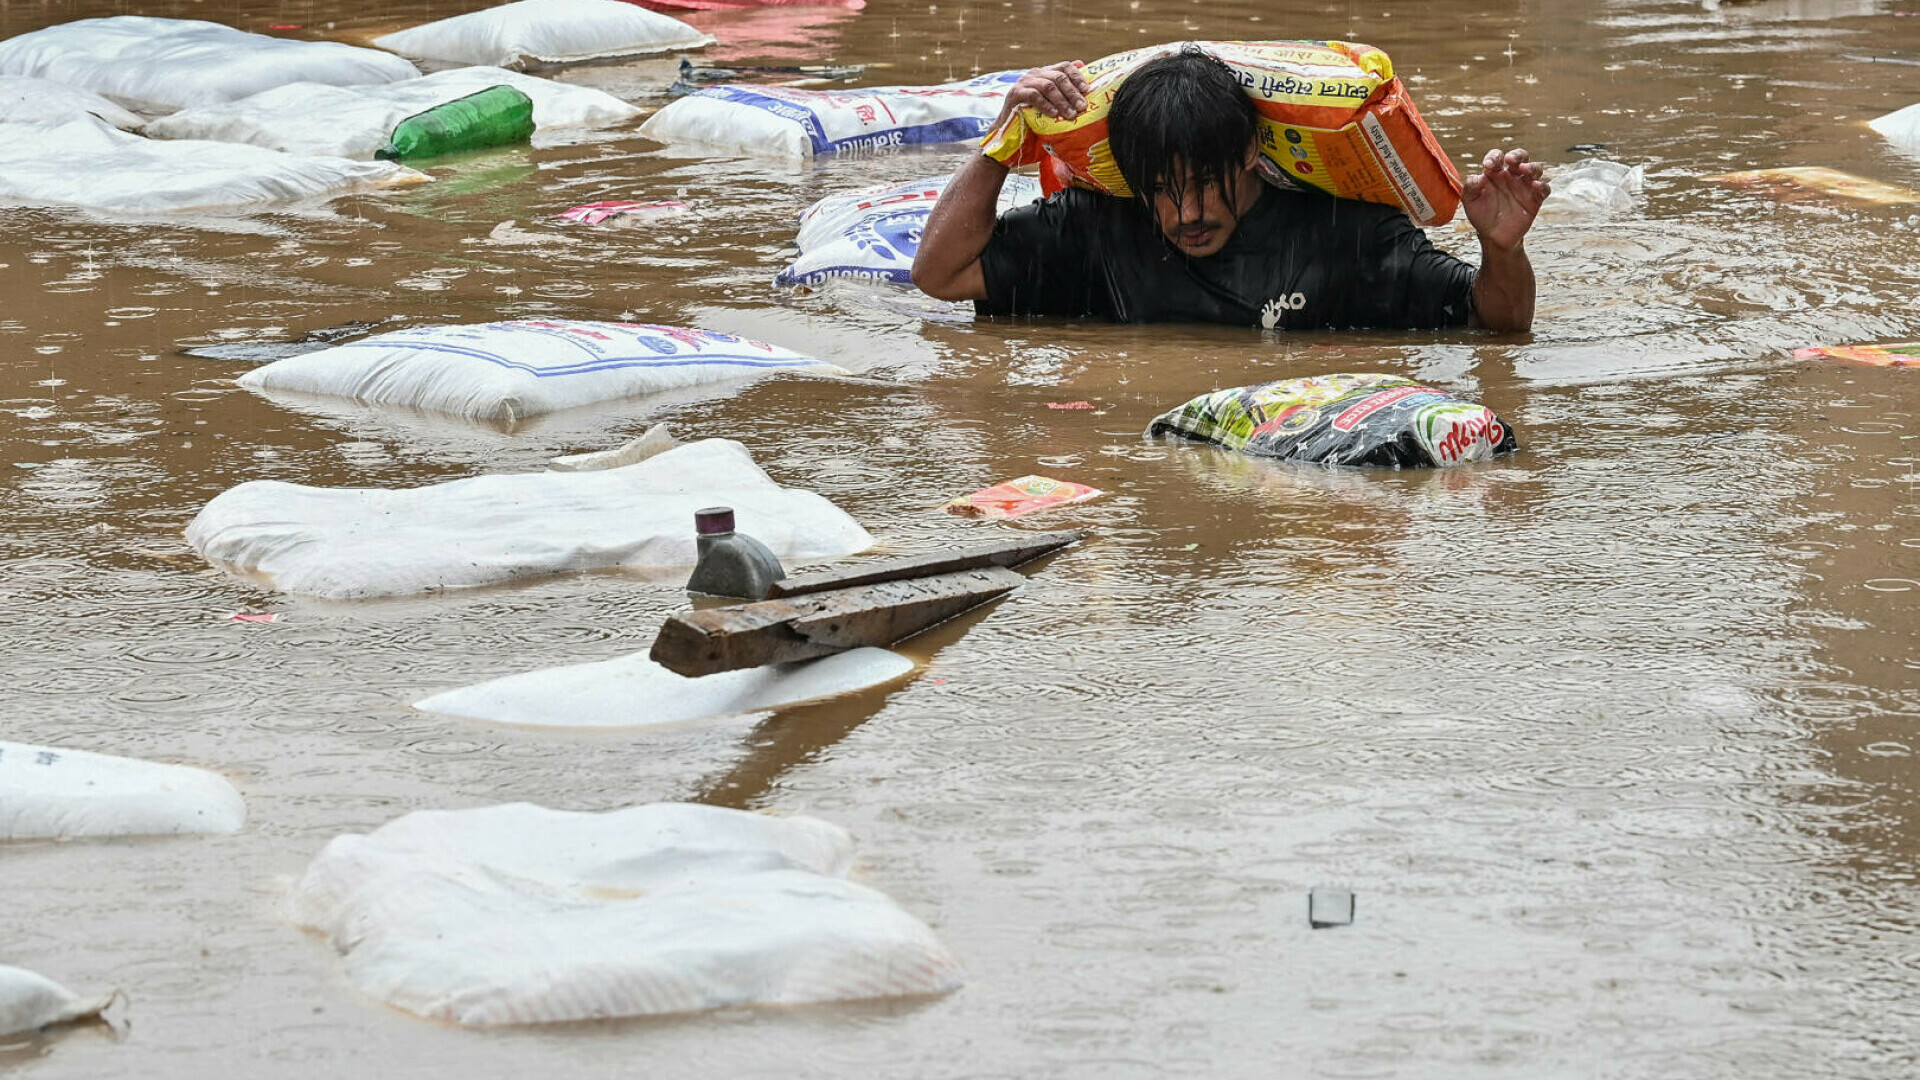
x=1184, y=109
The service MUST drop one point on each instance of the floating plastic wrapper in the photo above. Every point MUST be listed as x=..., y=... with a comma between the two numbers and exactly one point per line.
x=1021, y=496
x=599, y=213
x=1907, y=355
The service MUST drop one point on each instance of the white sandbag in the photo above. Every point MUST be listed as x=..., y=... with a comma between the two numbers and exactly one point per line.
x=779, y=121
x=87, y=162
x=47, y=793
x=27, y=100
x=871, y=235
x=633, y=691
x=1901, y=127
x=156, y=65
x=359, y=119
x=506, y=372
x=1593, y=188
x=29, y=1002
x=345, y=543
x=545, y=31
x=518, y=915
x=657, y=440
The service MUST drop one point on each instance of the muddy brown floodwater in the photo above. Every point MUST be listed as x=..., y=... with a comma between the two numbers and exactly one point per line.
x=1613, y=739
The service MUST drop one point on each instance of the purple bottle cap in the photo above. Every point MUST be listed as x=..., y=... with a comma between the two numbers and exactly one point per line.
x=713, y=521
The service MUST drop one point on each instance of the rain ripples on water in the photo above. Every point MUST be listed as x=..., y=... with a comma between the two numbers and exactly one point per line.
x=1613, y=739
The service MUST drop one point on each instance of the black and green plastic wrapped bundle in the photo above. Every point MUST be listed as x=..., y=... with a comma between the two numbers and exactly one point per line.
x=1349, y=419
x=496, y=116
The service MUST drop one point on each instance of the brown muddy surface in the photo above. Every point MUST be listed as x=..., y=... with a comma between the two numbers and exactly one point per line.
x=1613, y=739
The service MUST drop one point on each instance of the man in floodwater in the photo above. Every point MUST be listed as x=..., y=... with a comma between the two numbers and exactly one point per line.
x=1208, y=240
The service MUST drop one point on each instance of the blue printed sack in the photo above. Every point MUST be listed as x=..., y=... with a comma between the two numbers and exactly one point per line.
x=872, y=234
x=505, y=372
x=781, y=121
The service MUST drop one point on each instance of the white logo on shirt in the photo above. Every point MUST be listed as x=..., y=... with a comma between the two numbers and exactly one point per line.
x=1270, y=315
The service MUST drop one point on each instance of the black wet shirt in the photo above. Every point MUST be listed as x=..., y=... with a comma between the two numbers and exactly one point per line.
x=1296, y=261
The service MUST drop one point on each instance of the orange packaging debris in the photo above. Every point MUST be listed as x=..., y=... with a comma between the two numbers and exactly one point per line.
x=1802, y=182
x=1907, y=355
x=1332, y=116
x=1021, y=496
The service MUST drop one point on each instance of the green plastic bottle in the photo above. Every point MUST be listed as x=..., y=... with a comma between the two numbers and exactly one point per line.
x=495, y=116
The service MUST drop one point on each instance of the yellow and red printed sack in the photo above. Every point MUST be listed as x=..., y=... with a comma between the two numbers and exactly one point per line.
x=1332, y=117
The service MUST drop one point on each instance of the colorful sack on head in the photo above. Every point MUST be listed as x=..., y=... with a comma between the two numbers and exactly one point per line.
x=1332, y=117
x=1379, y=420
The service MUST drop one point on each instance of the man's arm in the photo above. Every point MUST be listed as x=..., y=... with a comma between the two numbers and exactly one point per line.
x=1501, y=203
x=947, y=266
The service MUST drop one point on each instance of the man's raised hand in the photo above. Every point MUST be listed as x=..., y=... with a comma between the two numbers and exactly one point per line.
x=947, y=266
x=1058, y=90
x=1502, y=200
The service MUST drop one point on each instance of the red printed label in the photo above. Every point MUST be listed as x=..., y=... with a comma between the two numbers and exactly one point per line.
x=1346, y=420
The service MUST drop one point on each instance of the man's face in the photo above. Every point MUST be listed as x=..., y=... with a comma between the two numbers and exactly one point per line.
x=1201, y=219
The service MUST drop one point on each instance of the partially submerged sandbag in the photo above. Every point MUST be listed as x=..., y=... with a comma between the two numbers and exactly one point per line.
x=657, y=440
x=1803, y=183
x=872, y=234
x=1379, y=420
x=633, y=691
x=545, y=32
x=27, y=100
x=346, y=543
x=30, y=1001
x=506, y=372
x=780, y=121
x=1332, y=116
x=1900, y=127
x=156, y=66
x=86, y=162
x=48, y=792
x=518, y=914
x=360, y=119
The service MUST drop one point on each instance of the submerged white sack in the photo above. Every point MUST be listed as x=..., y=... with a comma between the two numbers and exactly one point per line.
x=519, y=915
x=359, y=119
x=633, y=691
x=1901, y=128
x=29, y=1002
x=506, y=372
x=47, y=793
x=345, y=543
x=87, y=162
x=657, y=440
x=872, y=234
x=1594, y=188
x=27, y=100
x=779, y=121
x=156, y=65
x=545, y=31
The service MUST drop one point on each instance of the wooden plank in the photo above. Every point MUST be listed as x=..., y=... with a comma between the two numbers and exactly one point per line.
x=999, y=553
x=696, y=643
